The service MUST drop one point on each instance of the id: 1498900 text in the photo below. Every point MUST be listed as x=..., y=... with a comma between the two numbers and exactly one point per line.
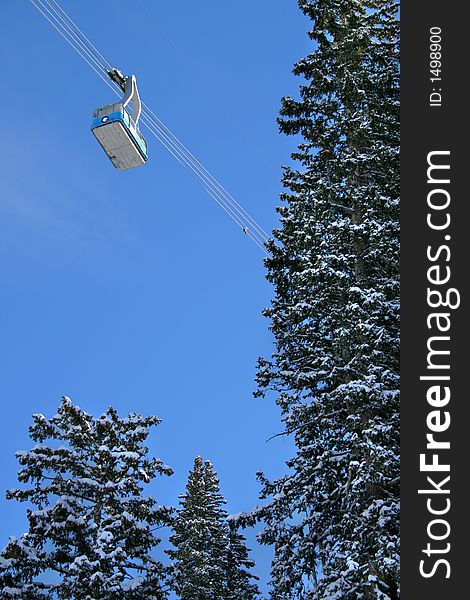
x=435, y=66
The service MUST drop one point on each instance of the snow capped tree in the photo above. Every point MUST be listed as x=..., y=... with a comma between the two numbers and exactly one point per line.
x=209, y=557
x=200, y=537
x=239, y=579
x=333, y=519
x=91, y=531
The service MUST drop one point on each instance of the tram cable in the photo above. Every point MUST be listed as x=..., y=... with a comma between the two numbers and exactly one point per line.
x=75, y=37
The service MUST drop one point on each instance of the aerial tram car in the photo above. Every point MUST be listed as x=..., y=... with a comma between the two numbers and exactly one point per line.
x=117, y=129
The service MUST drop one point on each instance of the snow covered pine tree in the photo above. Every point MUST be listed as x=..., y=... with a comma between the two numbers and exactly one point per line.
x=209, y=559
x=334, y=517
x=91, y=534
x=240, y=584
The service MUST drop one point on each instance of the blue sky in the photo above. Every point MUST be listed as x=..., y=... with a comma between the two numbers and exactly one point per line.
x=135, y=289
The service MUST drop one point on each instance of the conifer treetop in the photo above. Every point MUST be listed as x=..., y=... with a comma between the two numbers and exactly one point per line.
x=91, y=526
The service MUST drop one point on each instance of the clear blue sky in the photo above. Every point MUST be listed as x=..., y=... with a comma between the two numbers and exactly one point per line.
x=135, y=289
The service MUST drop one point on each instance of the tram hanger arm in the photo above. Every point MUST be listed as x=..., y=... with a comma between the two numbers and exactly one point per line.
x=117, y=76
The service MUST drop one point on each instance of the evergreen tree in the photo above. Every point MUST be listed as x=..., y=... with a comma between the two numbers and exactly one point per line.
x=240, y=585
x=210, y=558
x=200, y=537
x=333, y=518
x=91, y=532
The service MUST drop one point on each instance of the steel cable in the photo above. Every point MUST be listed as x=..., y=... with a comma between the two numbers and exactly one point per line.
x=75, y=37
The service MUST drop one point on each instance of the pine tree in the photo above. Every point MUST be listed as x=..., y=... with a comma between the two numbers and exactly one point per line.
x=91, y=531
x=333, y=518
x=210, y=559
x=200, y=537
x=240, y=585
